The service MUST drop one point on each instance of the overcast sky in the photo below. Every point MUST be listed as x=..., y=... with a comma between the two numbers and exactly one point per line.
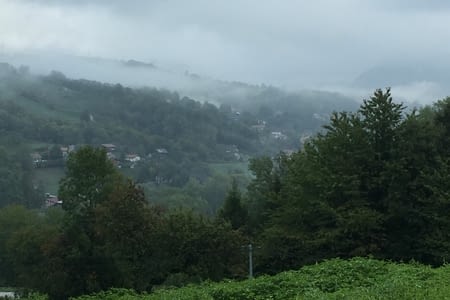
x=287, y=43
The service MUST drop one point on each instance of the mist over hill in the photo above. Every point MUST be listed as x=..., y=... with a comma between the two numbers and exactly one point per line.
x=414, y=82
x=134, y=73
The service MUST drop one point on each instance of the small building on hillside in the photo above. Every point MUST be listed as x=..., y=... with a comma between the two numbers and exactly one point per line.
x=64, y=151
x=132, y=158
x=288, y=152
x=36, y=157
x=52, y=200
x=111, y=156
x=278, y=135
x=162, y=151
x=109, y=147
x=258, y=127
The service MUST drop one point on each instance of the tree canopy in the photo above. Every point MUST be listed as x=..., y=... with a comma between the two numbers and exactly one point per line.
x=375, y=182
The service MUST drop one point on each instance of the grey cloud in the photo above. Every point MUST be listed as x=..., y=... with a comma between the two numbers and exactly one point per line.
x=289, y=43
x=414, y=5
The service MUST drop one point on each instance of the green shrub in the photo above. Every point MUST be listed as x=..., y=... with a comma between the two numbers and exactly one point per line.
x=357, y=278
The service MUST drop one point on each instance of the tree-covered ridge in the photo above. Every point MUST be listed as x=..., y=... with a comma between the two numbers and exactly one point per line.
x=59, y=110
x=56, y=109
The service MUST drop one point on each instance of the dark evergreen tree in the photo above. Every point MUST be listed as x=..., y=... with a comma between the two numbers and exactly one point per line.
x=374, y=183
x=233, y=210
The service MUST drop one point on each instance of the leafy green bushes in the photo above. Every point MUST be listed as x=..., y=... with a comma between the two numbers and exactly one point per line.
x=357, y=278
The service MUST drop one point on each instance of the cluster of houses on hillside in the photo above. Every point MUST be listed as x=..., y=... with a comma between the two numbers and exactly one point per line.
x=47, y=157
x=261, y=126
x=43, y=158
x=278, y=135
x=232, y=152
x=129, y=160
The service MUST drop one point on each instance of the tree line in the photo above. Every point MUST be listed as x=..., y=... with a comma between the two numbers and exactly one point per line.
x=373, y=182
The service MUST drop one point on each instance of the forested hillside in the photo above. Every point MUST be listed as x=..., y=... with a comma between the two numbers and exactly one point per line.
x=181, y=150
x=54, y=109
x=374, y=183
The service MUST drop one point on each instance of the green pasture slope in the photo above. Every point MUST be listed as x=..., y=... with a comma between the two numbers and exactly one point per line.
x=231, y=168
x=358, y=278
x=49, y=178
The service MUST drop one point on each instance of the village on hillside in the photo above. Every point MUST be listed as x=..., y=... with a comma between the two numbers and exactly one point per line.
x=56, y=155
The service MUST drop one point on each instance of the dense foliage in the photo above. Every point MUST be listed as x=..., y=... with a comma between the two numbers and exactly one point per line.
x=375, y=182
x=358, y=278
x=16, y=175
x=107, y=235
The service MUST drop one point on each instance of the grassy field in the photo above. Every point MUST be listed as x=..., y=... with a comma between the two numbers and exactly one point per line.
x=358, y=278
x=49, y=178
x=231, y=168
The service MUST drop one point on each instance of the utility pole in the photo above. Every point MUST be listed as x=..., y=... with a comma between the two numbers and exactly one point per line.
x=250, y=261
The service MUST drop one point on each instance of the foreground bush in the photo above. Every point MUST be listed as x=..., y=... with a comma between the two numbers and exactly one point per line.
x=358, y=278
